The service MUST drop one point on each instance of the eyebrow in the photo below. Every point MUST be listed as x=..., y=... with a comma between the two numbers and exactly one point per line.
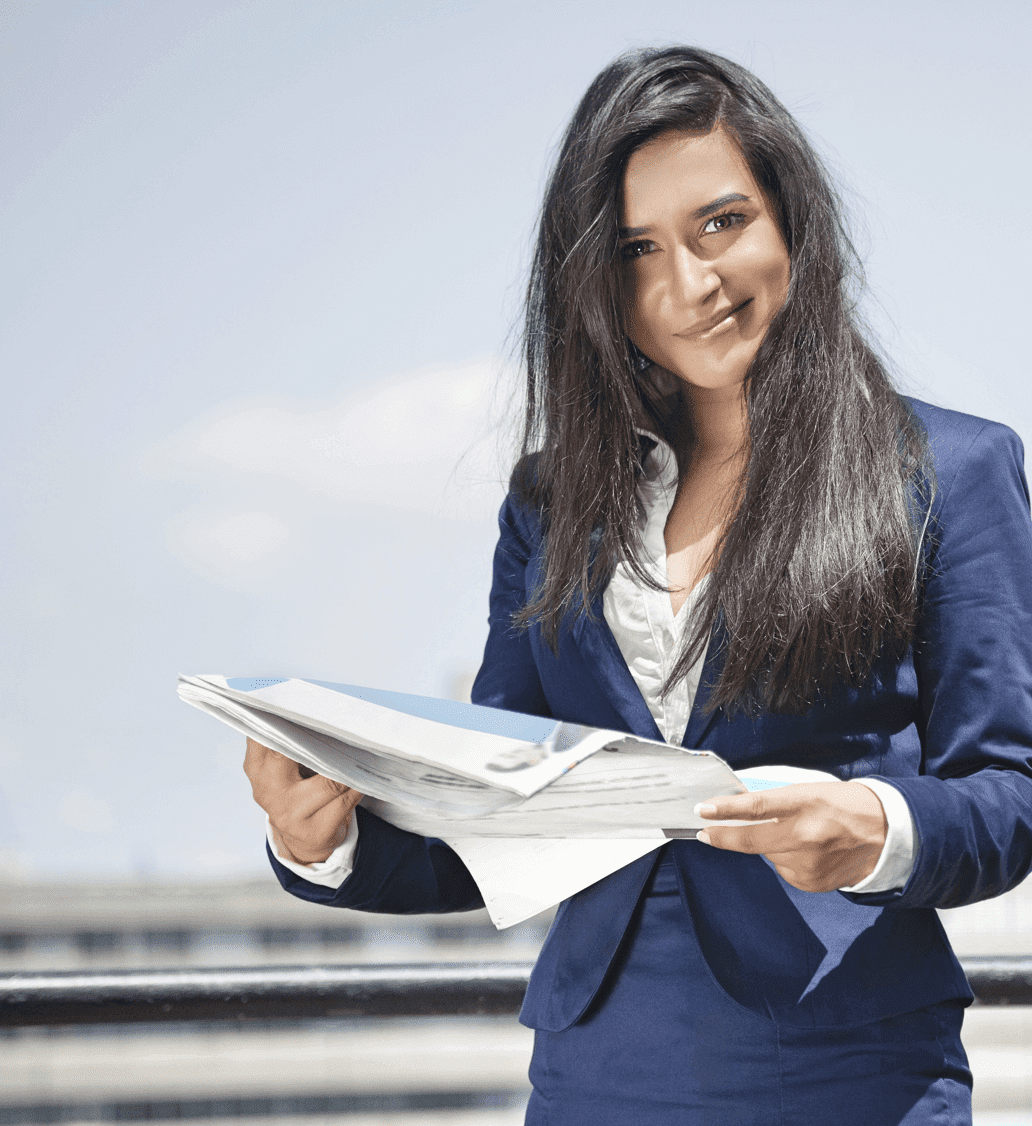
x=700, y=213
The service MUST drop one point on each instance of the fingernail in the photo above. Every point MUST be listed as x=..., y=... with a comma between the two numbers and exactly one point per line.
x=704, y=808
x=703, y=836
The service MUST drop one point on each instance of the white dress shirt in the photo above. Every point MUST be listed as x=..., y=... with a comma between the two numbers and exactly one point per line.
x=649, y=635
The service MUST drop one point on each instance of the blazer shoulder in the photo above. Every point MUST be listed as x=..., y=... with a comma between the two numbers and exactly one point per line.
x=958, y=442
x=525, y=472
x=518, y=515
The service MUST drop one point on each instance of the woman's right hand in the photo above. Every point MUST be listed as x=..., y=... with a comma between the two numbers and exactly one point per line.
x=309, y=816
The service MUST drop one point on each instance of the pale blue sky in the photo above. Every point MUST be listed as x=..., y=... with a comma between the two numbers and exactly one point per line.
x=262, y=259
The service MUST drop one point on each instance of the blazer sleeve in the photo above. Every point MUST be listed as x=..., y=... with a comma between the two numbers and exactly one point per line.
x=395, y=872
x=508, y=676
x=972, y=801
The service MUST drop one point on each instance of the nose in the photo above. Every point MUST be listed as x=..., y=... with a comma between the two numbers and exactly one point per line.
x=694, y=280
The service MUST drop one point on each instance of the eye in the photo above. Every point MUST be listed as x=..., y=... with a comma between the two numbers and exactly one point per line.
x=637, y=249
x=724, y=222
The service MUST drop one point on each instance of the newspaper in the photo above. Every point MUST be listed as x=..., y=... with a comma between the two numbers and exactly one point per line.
x=536, y=808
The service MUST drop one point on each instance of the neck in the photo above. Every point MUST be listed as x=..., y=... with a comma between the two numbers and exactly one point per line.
x=715, y=423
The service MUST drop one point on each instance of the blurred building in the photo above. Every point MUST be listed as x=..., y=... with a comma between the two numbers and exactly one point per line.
x=461, y=1071
x=126, y=925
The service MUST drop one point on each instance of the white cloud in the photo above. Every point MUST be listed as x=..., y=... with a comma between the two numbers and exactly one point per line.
x=281, y=474
x=425, y=442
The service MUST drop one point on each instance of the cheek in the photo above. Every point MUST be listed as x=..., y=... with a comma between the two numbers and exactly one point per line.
x=780, y=275
x=773, y=269
x=642, y=304
x=760, y=263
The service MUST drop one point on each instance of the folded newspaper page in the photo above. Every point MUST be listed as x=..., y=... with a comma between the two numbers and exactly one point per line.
x=536, y=808
x=439, y=767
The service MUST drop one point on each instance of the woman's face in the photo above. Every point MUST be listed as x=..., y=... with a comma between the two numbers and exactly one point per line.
x=705, y=266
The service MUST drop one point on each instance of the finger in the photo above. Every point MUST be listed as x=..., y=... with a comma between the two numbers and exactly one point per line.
x=299, y=801
x=802, y=878
x=262, y=761
x=308, y=797
x=755, y=839
x=280, y=791
x=314, y=837
x=788, y=866
x=737, y=807
x=273, y=775
x=761, y=805
x=318, y=825
x=350, y=800
x=809, y=877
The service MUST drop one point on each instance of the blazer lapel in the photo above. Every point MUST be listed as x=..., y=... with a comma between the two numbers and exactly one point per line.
x=598, y=646
x=700, y=723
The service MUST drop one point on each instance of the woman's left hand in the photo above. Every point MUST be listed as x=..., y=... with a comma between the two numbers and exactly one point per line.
x=820, y=836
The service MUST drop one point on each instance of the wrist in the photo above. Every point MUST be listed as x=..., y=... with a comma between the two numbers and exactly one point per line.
x=872, y=824
x=869, y=828
x=297, y=854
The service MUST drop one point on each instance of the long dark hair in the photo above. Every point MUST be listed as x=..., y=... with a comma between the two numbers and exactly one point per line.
x=816, y=573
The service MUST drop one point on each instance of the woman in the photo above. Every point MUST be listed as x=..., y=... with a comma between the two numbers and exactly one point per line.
x=729, y=531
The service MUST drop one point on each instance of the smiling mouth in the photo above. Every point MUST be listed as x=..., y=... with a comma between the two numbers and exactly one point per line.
x=715, y=325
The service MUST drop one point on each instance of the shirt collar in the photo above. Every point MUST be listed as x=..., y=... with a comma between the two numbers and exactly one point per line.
x=657, y=459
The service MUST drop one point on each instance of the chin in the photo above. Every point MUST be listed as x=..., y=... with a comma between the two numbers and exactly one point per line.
x=716, y=377
x=714, y=381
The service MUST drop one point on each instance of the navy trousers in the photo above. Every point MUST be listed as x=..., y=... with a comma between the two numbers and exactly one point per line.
x=664, y=1044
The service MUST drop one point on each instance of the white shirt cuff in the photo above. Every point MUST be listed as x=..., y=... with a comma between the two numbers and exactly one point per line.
x=332, y=871
x=897, y=856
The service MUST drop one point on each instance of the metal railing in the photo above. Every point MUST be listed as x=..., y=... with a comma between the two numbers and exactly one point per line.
x=309, y=992
x=265, y=993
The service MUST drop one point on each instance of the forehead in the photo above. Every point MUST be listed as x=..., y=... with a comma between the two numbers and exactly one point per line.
x=682, y=171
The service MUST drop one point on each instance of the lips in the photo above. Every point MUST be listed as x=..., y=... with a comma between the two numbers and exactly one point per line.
x=713, y=322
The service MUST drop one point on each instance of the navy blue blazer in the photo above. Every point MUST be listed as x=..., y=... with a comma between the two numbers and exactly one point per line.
x=950, y=725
